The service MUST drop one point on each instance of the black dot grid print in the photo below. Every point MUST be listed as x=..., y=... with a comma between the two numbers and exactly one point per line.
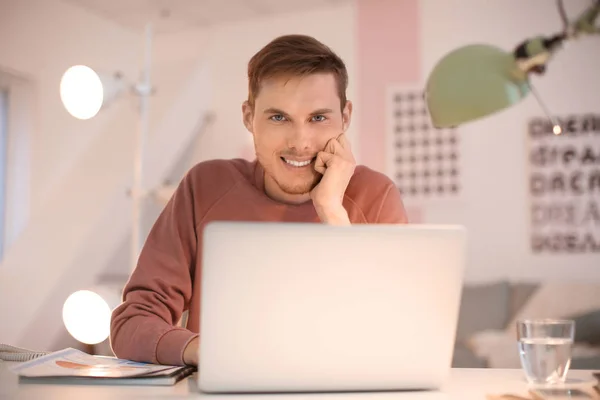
x=426, y=158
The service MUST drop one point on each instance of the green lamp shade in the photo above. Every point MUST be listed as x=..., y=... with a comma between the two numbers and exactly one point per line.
x=472, y=82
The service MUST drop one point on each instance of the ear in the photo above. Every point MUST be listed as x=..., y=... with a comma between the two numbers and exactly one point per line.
x=248, y=115
x=346, y=115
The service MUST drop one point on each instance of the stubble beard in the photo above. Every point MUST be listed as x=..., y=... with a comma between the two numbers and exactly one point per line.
x=299, y=188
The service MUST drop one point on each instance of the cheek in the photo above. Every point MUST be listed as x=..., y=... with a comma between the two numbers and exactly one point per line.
x=268, y=138
x=333, y=126
x=325, y=132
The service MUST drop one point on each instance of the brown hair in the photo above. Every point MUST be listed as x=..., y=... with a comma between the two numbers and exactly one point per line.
x=295, y=55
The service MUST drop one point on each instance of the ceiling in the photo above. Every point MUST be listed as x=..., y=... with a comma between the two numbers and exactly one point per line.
x=169, y=16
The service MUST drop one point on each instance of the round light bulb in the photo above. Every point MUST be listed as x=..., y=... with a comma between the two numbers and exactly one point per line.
x=86, y=316
x=81, y=92
x=557, y=129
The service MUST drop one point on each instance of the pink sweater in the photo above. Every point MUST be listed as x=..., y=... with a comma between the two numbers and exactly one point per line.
x=166, y=280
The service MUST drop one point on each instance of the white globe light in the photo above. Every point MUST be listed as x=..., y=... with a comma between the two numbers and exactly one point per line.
x=81, y=92
x=86, y=316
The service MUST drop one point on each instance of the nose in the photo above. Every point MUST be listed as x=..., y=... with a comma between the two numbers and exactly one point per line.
x=300, y=138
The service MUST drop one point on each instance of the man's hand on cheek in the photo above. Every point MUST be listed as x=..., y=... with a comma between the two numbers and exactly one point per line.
x=336, y=163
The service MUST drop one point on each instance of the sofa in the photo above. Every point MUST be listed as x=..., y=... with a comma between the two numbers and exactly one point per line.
x=486, y=330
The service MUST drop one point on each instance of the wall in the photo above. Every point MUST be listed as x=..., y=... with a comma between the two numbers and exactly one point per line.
x=494, y=205
x=51, y=201
x=81, y=170
x=495, y=202
x=81, y=39
x=388, y=46
x=383, y=46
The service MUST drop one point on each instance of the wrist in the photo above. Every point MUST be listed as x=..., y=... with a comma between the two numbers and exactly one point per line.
x=190, y=353
x=334, y=215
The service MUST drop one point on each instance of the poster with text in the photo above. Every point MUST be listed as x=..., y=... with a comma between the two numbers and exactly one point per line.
x=564, y=185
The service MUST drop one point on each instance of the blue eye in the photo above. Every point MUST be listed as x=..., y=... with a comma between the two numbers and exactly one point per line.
x=277, y=118
x=318, y=118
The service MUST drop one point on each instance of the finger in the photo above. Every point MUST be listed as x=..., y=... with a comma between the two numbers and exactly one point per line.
x=336, y=147
x=330, y=145
x=344, y=152
x=343, y=140
x=322, y=161
x=345, y=145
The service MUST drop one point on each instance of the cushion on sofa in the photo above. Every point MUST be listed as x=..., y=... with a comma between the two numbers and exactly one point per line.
x=483, y=307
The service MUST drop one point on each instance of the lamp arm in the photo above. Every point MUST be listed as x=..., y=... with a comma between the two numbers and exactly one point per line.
x=563, y=15
x=143, y=89
x=586, y=23
x=533, y=54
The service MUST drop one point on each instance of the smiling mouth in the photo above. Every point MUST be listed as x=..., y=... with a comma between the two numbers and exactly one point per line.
x=297, y=164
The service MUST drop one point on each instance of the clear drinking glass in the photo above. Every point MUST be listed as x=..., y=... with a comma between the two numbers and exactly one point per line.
x=545, y=349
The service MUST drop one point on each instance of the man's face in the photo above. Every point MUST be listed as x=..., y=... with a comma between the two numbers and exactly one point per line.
x=292, y=120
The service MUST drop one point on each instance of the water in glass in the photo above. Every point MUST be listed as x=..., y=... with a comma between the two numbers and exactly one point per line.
x=545, y=349
x=545, y=360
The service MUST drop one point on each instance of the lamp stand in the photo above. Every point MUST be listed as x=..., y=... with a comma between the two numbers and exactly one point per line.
x=143, y=89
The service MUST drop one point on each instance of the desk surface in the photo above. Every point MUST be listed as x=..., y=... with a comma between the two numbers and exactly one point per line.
x=464, y=384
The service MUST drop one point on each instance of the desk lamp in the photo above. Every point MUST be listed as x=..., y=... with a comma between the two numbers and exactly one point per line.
x=478, y=80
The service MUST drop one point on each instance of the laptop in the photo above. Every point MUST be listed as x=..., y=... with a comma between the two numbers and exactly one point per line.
x=305, y=307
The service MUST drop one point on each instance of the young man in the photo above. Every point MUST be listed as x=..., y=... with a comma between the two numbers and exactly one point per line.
x=297, y=113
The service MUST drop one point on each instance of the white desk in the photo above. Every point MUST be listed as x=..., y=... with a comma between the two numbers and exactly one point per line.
x=464, y=384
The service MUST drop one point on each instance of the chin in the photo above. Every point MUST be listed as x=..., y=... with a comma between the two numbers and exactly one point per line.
x=296, y=185
x=297, y=189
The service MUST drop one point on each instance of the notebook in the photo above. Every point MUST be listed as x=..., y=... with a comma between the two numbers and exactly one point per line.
x=71, y=366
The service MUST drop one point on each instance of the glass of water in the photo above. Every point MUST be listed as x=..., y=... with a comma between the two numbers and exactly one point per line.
x=545, y=349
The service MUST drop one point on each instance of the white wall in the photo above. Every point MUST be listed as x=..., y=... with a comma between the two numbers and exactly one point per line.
x=81, y=170
x=496, y=198
x=495, y=205
x=51, y=201
x=34, y=43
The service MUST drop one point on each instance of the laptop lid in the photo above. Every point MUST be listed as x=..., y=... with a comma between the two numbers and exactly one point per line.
x=304, y=307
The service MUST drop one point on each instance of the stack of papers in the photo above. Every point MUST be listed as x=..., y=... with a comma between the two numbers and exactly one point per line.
x=74, y=366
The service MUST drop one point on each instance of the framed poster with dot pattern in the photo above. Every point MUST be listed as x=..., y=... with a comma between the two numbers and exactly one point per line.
x=423, y=161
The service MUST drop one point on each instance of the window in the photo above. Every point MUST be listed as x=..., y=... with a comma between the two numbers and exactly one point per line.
x=17, y=97
x=3, y=164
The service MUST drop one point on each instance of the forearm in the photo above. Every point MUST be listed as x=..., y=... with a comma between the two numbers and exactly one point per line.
x=145, y=326
x=334, y=215
x=148, y=339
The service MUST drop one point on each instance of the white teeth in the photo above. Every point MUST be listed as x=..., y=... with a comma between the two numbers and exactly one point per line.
x=297, y=163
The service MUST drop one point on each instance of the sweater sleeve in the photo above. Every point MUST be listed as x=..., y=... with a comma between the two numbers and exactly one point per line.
x=143, y=327
x=391, y=210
